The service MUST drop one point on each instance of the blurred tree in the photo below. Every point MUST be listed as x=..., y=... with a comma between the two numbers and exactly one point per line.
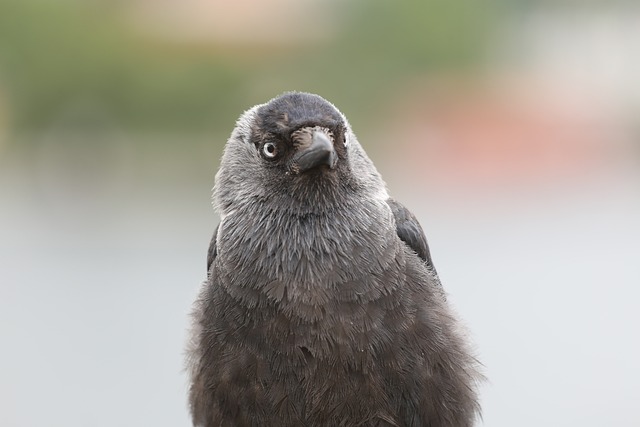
x=385, y=43
x=55, y=56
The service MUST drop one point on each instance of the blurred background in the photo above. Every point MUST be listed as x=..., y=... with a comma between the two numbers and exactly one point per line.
x=512, y=130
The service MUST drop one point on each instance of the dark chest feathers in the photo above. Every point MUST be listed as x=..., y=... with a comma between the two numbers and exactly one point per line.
x=318, y=322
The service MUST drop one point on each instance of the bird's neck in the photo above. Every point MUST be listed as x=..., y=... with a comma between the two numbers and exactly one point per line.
x=307, y=247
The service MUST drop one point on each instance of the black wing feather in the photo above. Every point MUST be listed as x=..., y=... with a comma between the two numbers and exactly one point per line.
x=410, y=232
x=213, y=250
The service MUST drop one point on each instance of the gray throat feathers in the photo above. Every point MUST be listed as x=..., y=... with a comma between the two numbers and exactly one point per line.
x=308, y=255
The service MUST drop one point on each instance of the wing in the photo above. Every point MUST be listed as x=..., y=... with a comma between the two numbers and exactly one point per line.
x=213, y=250
x=410, y=232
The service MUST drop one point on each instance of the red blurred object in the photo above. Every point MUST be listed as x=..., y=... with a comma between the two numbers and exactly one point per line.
x=528, y=133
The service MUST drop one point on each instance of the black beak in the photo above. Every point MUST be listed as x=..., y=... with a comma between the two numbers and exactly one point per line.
x=319, y=151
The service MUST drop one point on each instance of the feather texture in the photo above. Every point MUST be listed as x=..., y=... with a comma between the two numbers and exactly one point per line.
x=322, y=306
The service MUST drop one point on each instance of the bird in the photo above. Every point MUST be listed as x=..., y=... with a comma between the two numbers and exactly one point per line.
x=322, y=306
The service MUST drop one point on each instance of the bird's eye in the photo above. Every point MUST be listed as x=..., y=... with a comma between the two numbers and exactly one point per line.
x=269, y=150
x=345, y=140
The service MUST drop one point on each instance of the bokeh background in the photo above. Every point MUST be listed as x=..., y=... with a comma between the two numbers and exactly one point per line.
x=511, y=128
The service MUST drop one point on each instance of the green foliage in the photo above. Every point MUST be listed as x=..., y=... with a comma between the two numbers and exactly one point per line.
x=386, y=42
x=58, y=55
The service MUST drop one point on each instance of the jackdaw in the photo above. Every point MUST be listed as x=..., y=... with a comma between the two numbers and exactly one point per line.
x=322, y=306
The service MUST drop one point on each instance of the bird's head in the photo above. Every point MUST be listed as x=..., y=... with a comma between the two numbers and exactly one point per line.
x=299, y=134
x=296, y=149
